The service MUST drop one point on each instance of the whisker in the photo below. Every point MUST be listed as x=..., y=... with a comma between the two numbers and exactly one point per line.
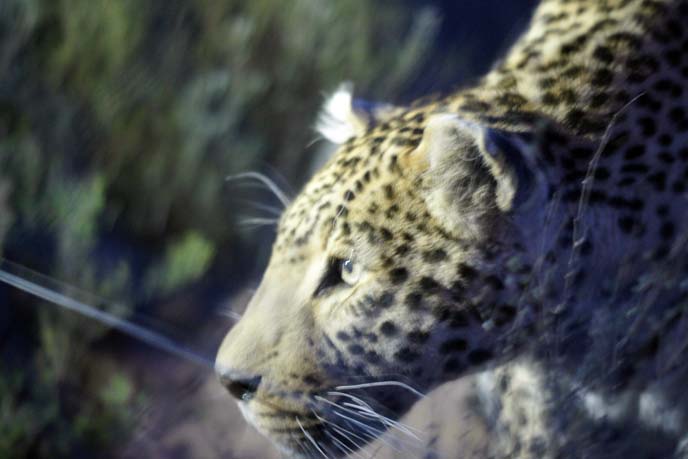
x=18, y=277
x=276, y=211
x=383, y=384
x=383, y=419
x=303, y=447
x=310, y=438
x=347, y=434
x=394, y=442
x=377, y=450
x=370, y=430
x=338, y=444
x=347, y=410
x=366, y=430
x=230, y=314
x=579, y=230
x=259, y=221
x=374, y=417
x=341, y=446
x=368, y=413
x=386, y=437
x=377, y=435
x=369, y=409
x=342, y=430
x=265, y=180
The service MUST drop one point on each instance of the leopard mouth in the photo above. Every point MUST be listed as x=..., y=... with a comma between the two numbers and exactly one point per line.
x=331, y=424
x=314, y=439
x=314, y=436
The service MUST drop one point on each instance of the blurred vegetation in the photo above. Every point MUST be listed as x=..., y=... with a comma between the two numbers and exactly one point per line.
x=119, y=121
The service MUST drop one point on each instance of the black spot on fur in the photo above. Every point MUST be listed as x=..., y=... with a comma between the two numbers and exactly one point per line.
x=453, y=345
x=388, y=328
x=406, y=355
x=355, y=349
x=398, y=275
x=388, y=191
x=413, y=300
x=599, y=99
x=504, y=314
x=602, y=77
x=581, y=152
x=626, y=224
x=385, y=300
x=677, y=114
x=418, y=336
x=458, y=319
x=658, y=180
x=666, y=157
x=311, y=380
x=665, y=140
x=434, y=256
x=647, y=126
x=494, y=282
x=343, y=336
x=635, y=151
x=429, y=285
x=466, y=272
x=479, y=356
x=667, y=230
x=604, y=54
x=402, y=250
x=372, y=357
x=635, y=168
x=452, y=365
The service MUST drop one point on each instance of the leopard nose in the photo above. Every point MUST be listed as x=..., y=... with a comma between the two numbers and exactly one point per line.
x=242, y=389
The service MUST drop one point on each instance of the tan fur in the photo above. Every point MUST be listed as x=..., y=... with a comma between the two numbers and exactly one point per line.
x=478, y=226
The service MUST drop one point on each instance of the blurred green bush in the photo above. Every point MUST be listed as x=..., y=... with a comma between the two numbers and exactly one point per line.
x=119, y=120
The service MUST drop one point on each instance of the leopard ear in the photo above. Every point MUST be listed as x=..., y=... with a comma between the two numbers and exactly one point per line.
x=472, y=168
x=343, y=117
x=510, y=159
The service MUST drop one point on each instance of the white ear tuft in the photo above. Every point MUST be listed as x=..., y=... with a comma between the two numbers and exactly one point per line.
x=337, y=121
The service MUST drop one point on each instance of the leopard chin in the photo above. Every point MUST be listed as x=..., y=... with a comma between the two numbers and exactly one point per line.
x=332, y=423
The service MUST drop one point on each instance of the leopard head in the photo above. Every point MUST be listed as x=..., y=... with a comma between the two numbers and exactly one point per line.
x=390, y=275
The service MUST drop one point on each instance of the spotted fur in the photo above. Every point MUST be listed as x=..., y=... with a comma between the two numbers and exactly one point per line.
x=536, y=217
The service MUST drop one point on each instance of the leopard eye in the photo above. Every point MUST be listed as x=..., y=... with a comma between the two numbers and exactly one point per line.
x=350, y=272
x=332, y=276
x=339, y=271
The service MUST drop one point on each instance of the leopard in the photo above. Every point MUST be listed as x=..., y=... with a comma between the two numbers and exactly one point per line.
x=527, y=230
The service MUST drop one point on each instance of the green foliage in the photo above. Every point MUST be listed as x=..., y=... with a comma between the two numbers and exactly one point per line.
x=117, y=405
x=33, y=421
x=18, y=425
x=183, y=262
